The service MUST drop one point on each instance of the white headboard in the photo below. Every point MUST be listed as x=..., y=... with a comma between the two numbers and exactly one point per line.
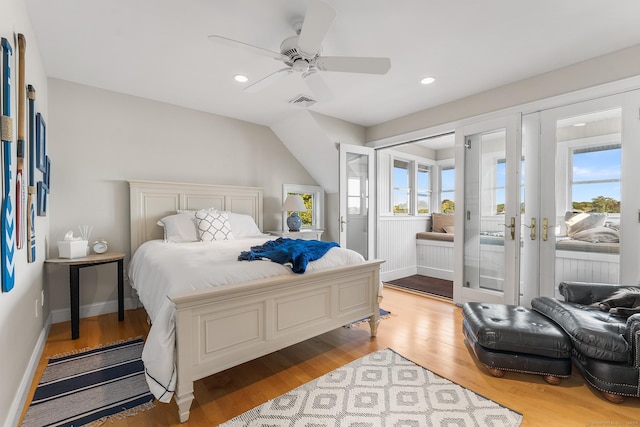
x=153, y=200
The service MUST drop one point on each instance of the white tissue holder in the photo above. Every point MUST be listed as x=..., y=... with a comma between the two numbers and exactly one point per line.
x=73, y=248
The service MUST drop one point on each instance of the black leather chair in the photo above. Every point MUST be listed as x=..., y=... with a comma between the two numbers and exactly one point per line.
x=606, y=347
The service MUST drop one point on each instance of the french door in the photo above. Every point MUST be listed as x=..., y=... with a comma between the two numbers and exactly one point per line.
x=357, y=199
x=581, y=193
x=550, y=196
x=487, y=254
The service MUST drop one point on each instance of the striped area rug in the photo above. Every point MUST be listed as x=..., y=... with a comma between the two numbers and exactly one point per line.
x=90, y=386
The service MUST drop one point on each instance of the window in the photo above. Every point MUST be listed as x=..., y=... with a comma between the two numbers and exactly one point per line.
x=447, y=189
x=313, y=197
x=401, y=187
x=423, y=189
x=595, y=180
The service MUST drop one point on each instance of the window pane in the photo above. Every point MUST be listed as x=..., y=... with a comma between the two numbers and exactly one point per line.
x=596, y=165
x=447, y=193
x=401, y=201
x=400, y=174
x=423, y=177
x=423, y=203
x=423, y=190
x=400, y=187
x=353, y=196
x=596, y=179
x=597, y=197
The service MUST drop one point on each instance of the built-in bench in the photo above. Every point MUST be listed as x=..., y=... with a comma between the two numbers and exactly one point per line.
x=583, y=260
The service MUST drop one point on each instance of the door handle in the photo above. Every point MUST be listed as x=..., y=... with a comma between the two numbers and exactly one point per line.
x=545, y=229
x=533, y=229
x=342, y=223
x=512, y=228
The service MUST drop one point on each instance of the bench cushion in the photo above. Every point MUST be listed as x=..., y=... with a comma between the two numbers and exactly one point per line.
x=432, y=235
x=515, y=329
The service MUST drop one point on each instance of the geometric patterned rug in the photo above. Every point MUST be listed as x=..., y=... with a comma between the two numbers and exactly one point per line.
x=380, y=389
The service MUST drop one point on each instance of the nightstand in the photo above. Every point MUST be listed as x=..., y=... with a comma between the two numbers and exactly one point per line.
x=75, y=264
x=303, y=234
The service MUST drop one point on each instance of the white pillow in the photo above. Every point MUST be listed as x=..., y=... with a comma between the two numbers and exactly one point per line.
x=180, y=228
x=213, y=226
x=243, y=225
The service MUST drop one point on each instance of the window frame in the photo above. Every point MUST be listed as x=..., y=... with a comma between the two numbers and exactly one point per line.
x=317, y=215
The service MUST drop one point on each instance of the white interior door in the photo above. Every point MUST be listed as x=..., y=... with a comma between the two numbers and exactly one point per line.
x=487, y=252
x=357, y=199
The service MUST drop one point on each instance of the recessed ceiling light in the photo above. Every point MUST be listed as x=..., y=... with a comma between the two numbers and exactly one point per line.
x=427, y=80
x=241, y=78
x=580, y=124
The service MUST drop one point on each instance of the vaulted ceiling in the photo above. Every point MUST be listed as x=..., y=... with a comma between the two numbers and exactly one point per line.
x=160, y=49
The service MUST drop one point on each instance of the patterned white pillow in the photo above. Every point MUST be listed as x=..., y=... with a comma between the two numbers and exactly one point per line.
x=213, y=226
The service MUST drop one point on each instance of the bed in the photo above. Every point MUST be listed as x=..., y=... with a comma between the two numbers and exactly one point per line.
x=215, y=328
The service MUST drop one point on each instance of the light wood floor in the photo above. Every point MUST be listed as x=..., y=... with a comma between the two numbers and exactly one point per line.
x=425, y=330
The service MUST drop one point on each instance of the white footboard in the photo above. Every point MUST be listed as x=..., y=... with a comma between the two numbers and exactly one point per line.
x=223, y=327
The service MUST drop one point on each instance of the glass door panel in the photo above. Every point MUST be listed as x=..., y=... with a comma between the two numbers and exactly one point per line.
x=485, y=165
x=356, y=181
x=581, y=224
x=491, y=215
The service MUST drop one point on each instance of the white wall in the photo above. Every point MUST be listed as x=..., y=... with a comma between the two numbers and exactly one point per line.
x=20, y=330
x=100, y=139
x=593, y=72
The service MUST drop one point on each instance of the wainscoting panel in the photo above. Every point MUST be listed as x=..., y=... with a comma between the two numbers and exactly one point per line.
x=435, y=258
x=397, y=245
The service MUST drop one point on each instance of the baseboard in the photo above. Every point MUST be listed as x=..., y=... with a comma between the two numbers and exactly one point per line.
x=438, y=273
x=25, y=385
x=397, y=274
x=90, y=310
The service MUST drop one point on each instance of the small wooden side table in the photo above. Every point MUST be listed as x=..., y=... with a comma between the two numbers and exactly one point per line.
x=75, y=264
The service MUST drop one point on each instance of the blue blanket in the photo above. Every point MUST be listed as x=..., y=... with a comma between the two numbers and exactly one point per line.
x=282, y=250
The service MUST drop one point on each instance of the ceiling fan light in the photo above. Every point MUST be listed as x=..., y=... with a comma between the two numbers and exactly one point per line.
x=427, y=80
x=241, y=78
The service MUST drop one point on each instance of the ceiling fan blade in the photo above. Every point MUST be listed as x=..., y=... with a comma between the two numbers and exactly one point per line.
x=316, y=83
x=349, y=64
x=245, y=46
x=267, y=81
x=315, y=26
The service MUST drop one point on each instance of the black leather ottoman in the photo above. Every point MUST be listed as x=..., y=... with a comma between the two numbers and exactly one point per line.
x=513, y=338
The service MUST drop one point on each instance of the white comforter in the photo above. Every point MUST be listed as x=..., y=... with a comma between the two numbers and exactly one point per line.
x=158, y=270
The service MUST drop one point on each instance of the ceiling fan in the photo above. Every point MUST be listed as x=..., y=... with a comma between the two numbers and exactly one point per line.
x=302, y=53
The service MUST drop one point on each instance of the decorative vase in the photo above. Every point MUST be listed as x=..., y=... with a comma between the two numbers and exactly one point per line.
x=294, y=222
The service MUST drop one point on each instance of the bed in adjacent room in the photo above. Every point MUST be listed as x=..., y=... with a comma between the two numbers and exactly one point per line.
x=208, y=310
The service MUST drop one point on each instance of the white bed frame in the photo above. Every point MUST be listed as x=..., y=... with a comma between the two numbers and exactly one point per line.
x=222, y=327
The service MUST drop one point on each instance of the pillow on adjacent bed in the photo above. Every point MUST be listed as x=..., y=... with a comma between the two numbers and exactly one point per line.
x=213, y=226
x=243, y=225
x=180, y=228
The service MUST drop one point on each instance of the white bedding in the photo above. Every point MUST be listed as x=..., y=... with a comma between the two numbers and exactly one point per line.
x=158, y=270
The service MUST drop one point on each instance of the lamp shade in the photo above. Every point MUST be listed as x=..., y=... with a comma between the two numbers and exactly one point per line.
x=294, y=203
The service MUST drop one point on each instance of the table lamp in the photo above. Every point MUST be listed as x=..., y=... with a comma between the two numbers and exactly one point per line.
x=294, y=204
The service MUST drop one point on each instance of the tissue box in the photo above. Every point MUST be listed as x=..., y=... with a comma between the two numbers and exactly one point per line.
x=73, y=248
